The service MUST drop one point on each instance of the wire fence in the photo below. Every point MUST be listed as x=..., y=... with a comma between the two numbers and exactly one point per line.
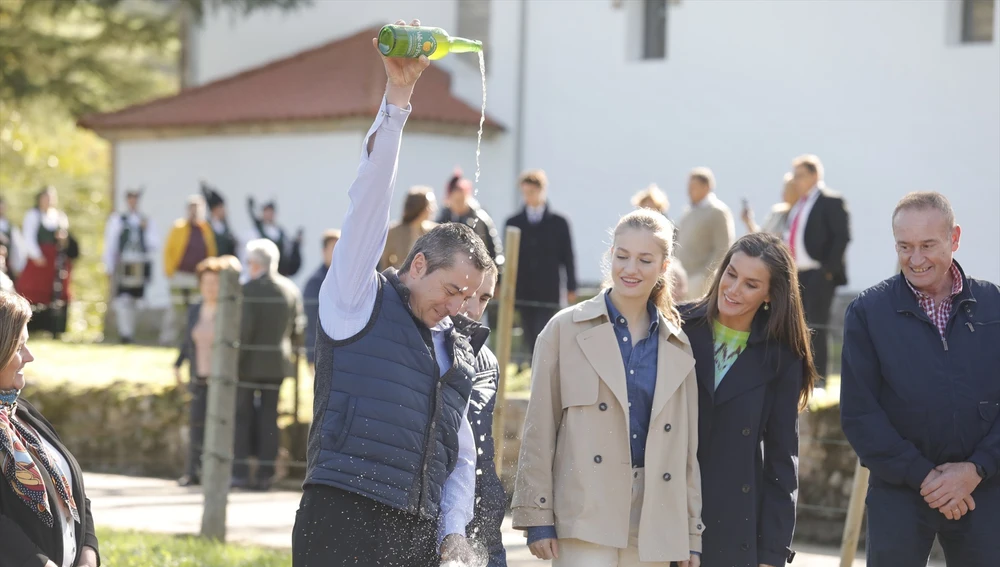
x=290, y=460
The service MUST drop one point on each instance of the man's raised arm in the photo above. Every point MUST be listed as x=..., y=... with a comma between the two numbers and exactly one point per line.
x=348, y=293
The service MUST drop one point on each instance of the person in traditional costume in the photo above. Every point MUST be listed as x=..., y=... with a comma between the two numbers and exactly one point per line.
x=50, y=250
x=265, y=226
x=190, y=241
x=226, y=242
x=129, y=243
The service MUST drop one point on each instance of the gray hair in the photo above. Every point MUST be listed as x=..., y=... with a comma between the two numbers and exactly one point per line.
x=924, y=200
x=704, y=175
x=442, y=243
x=264, y=252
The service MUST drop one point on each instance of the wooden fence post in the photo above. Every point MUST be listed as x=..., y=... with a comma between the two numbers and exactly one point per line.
x=217, y=455
x=855, y=513
x=504, y=330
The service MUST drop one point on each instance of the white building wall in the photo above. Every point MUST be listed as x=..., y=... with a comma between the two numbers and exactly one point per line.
x=878, y=89
x=881, y=90
x=308, y=174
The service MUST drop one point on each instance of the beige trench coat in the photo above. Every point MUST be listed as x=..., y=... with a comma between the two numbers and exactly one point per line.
x=575, y=468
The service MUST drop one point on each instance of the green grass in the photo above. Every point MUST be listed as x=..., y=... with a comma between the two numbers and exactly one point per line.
x=136, y=549
x=90, y=365
x=87, y=365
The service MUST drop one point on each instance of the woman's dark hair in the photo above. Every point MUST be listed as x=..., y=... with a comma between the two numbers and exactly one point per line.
x=786, y=321
x=418, y=200
x=47, y=190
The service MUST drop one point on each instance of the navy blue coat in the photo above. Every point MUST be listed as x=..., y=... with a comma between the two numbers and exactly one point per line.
x=909, y=400
x=491, y=500
x=748, y=446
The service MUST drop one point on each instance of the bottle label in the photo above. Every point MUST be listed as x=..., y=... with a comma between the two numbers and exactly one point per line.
x=421, y=43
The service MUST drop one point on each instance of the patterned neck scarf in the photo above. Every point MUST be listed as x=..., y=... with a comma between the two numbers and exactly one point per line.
x=21, y=453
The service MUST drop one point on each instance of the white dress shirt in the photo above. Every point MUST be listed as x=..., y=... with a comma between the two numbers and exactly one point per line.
x=802, y=259
x=350, y=288
x=15, y=252
x=113, y=230
x=52, y=220
x=535, y=214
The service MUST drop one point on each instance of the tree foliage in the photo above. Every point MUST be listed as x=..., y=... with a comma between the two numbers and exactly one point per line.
x=60, y=59
x=98, y=55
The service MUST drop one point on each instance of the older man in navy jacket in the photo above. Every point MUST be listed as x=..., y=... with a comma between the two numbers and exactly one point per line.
x=921, y=394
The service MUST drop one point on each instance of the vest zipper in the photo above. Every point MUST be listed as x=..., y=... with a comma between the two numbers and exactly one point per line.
x=430, y=445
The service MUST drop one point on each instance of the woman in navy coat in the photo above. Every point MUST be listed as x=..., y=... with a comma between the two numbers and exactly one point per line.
x=755, y=374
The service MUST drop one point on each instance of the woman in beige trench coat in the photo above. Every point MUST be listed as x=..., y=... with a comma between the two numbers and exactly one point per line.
x=608, y=473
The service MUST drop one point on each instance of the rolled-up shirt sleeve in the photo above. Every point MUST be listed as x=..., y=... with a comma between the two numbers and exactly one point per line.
x=349, y=289
x=458, y=497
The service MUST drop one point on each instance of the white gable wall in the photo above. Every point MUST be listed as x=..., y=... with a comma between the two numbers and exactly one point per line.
x=880, y=90
x=309, y=175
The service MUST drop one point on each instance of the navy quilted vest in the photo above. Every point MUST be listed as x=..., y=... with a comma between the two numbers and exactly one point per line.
x=385, y=423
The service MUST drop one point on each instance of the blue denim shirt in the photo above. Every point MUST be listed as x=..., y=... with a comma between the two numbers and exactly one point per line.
x=640, y=376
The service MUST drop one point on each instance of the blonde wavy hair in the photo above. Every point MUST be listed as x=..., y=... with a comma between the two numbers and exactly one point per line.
x=661, y=229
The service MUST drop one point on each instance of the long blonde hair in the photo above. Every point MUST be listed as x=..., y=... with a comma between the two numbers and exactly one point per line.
x=661, y=228
x=15, y=312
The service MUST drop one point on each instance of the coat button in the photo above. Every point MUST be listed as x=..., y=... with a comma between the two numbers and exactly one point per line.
x=667, y=427
x=598, y=459
x=699, y=526
x=542, y=500
x=745, y=547
x=666, y=476
x=746, y=431
x=603, y=407
x=746, y=489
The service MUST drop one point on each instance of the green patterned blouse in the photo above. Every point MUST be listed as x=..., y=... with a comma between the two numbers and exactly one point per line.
x=728, y=346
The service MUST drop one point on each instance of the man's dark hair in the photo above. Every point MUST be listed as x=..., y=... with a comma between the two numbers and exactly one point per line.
x=444, y=242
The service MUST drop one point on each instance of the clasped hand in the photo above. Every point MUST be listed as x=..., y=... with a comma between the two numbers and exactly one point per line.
x=948, y=489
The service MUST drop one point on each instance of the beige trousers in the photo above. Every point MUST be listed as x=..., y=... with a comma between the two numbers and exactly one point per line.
x=577, y=553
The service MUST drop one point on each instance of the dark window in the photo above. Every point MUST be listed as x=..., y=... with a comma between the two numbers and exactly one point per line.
x=977, y=21
x=654, y=29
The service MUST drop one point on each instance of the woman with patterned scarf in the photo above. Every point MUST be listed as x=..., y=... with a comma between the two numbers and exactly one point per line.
x=45, y=518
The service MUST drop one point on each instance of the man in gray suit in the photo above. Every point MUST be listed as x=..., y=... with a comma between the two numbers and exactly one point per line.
x=704, y=233
x=272, y=321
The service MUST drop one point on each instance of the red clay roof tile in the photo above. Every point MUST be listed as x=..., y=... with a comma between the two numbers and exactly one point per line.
x=337, y=80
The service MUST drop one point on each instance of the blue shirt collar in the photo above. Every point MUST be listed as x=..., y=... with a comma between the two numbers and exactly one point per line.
x=619, y=320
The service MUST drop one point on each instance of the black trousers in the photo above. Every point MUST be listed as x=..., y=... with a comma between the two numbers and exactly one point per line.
x=256, y=431
x=817, y=299
x=533, y=320
x=196, y=424
x=902, y=527
x=336, y=528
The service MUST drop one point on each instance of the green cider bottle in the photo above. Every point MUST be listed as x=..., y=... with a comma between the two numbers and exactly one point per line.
x=414, y=41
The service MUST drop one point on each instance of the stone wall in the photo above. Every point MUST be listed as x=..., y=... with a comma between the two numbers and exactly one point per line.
x=125, y=427
x=136, y=429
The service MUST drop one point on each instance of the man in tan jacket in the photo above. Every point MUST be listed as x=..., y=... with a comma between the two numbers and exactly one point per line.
x=704, y=233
